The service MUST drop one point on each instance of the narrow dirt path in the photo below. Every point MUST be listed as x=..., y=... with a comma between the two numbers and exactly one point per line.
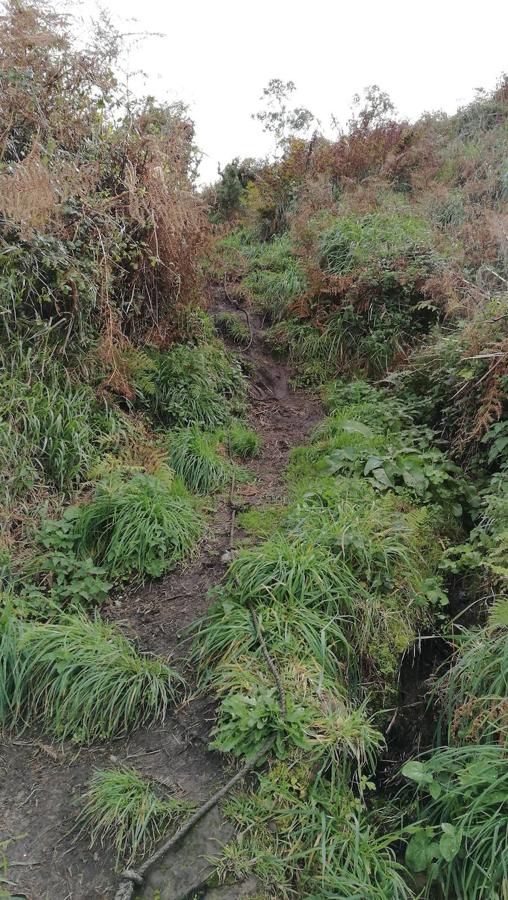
x=41, y=784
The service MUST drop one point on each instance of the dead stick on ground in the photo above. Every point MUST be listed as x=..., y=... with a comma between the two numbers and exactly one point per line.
x=233, y=510
x=131, y=878
x=269, y=661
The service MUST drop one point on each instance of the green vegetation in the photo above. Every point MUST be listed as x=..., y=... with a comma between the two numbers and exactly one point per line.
x=378, y=263
x=198, y=457
x=242, y=441
x=311, y=841
x=80, y=679
x=462, y=803
x=347, y=577
x=473, y=690
x=192, y=385
x=275, y=278
x=260, y=521
x=230, y=326
x=122, y=808
x=143, y=525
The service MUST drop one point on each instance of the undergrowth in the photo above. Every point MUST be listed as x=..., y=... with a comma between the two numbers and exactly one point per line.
x=379, y=256
x=122, y=808
x=192, y=385
x=199, y=459
x=144, y=525
x=80, y=679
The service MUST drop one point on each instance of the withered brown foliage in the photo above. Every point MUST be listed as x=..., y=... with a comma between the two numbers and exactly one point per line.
x=101, y=227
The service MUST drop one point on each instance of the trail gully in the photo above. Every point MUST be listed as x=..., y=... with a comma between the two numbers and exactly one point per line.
x=41, y=783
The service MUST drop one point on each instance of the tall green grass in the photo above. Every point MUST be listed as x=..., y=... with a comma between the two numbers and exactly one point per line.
x=312, y=839
x=474, y=691
x=145, y=525
x=199, y=458
x=81, y=679
x=460, y=840
x=275, y=277
x=355, y=243
x=282, y=571
x=52, y=428
x=193, y=385
x=225, y=634
x=242, y=441
x=122, y=808
x=230, y=325
x=9, y=659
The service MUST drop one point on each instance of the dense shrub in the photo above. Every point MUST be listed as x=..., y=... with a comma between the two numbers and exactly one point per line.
x=75, y=253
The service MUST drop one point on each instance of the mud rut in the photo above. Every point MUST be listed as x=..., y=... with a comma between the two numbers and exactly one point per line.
x=40, y=783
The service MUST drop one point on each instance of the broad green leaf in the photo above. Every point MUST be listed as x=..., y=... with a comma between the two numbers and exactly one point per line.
x=450, y=841
x=416, y=771
x=420, y=852
x=351, y=425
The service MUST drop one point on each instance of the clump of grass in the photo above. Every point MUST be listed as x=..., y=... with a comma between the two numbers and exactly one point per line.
x=318, y=717
x=9, y=659
x=275, y=277
x=390, y=544
x=122, y=808
x=226, y=634
x=460, y=840
x=360, y=244
x=282, y=570
x=143, y=525
x=474, y=691
x=189, y=385
x=83, y=680
x=242, y=441
x=51, y=429
x=310, y=837
x=196, y=456
x=230, y=326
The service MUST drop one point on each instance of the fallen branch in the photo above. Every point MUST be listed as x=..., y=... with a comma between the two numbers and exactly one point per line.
x=135, y=877
x=269, y=661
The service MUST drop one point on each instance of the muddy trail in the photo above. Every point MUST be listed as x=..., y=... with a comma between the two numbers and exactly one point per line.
x=41, y=783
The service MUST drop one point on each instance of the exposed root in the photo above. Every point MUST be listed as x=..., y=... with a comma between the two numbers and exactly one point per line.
x=132, y=878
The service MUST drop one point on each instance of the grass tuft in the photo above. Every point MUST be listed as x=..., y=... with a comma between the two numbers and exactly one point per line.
x=122, y=808
x=230, y=326
x=143, y=525
x=242, y=441
x=83, y=680
x=196, y=456
x=200, y=385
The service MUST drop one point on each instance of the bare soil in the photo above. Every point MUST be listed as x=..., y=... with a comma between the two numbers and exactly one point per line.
x=40, y=783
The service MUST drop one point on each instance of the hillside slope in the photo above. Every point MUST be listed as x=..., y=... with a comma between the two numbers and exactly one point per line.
x=254, y=445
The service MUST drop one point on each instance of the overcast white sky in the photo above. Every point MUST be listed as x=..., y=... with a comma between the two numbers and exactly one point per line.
x=217, y=55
